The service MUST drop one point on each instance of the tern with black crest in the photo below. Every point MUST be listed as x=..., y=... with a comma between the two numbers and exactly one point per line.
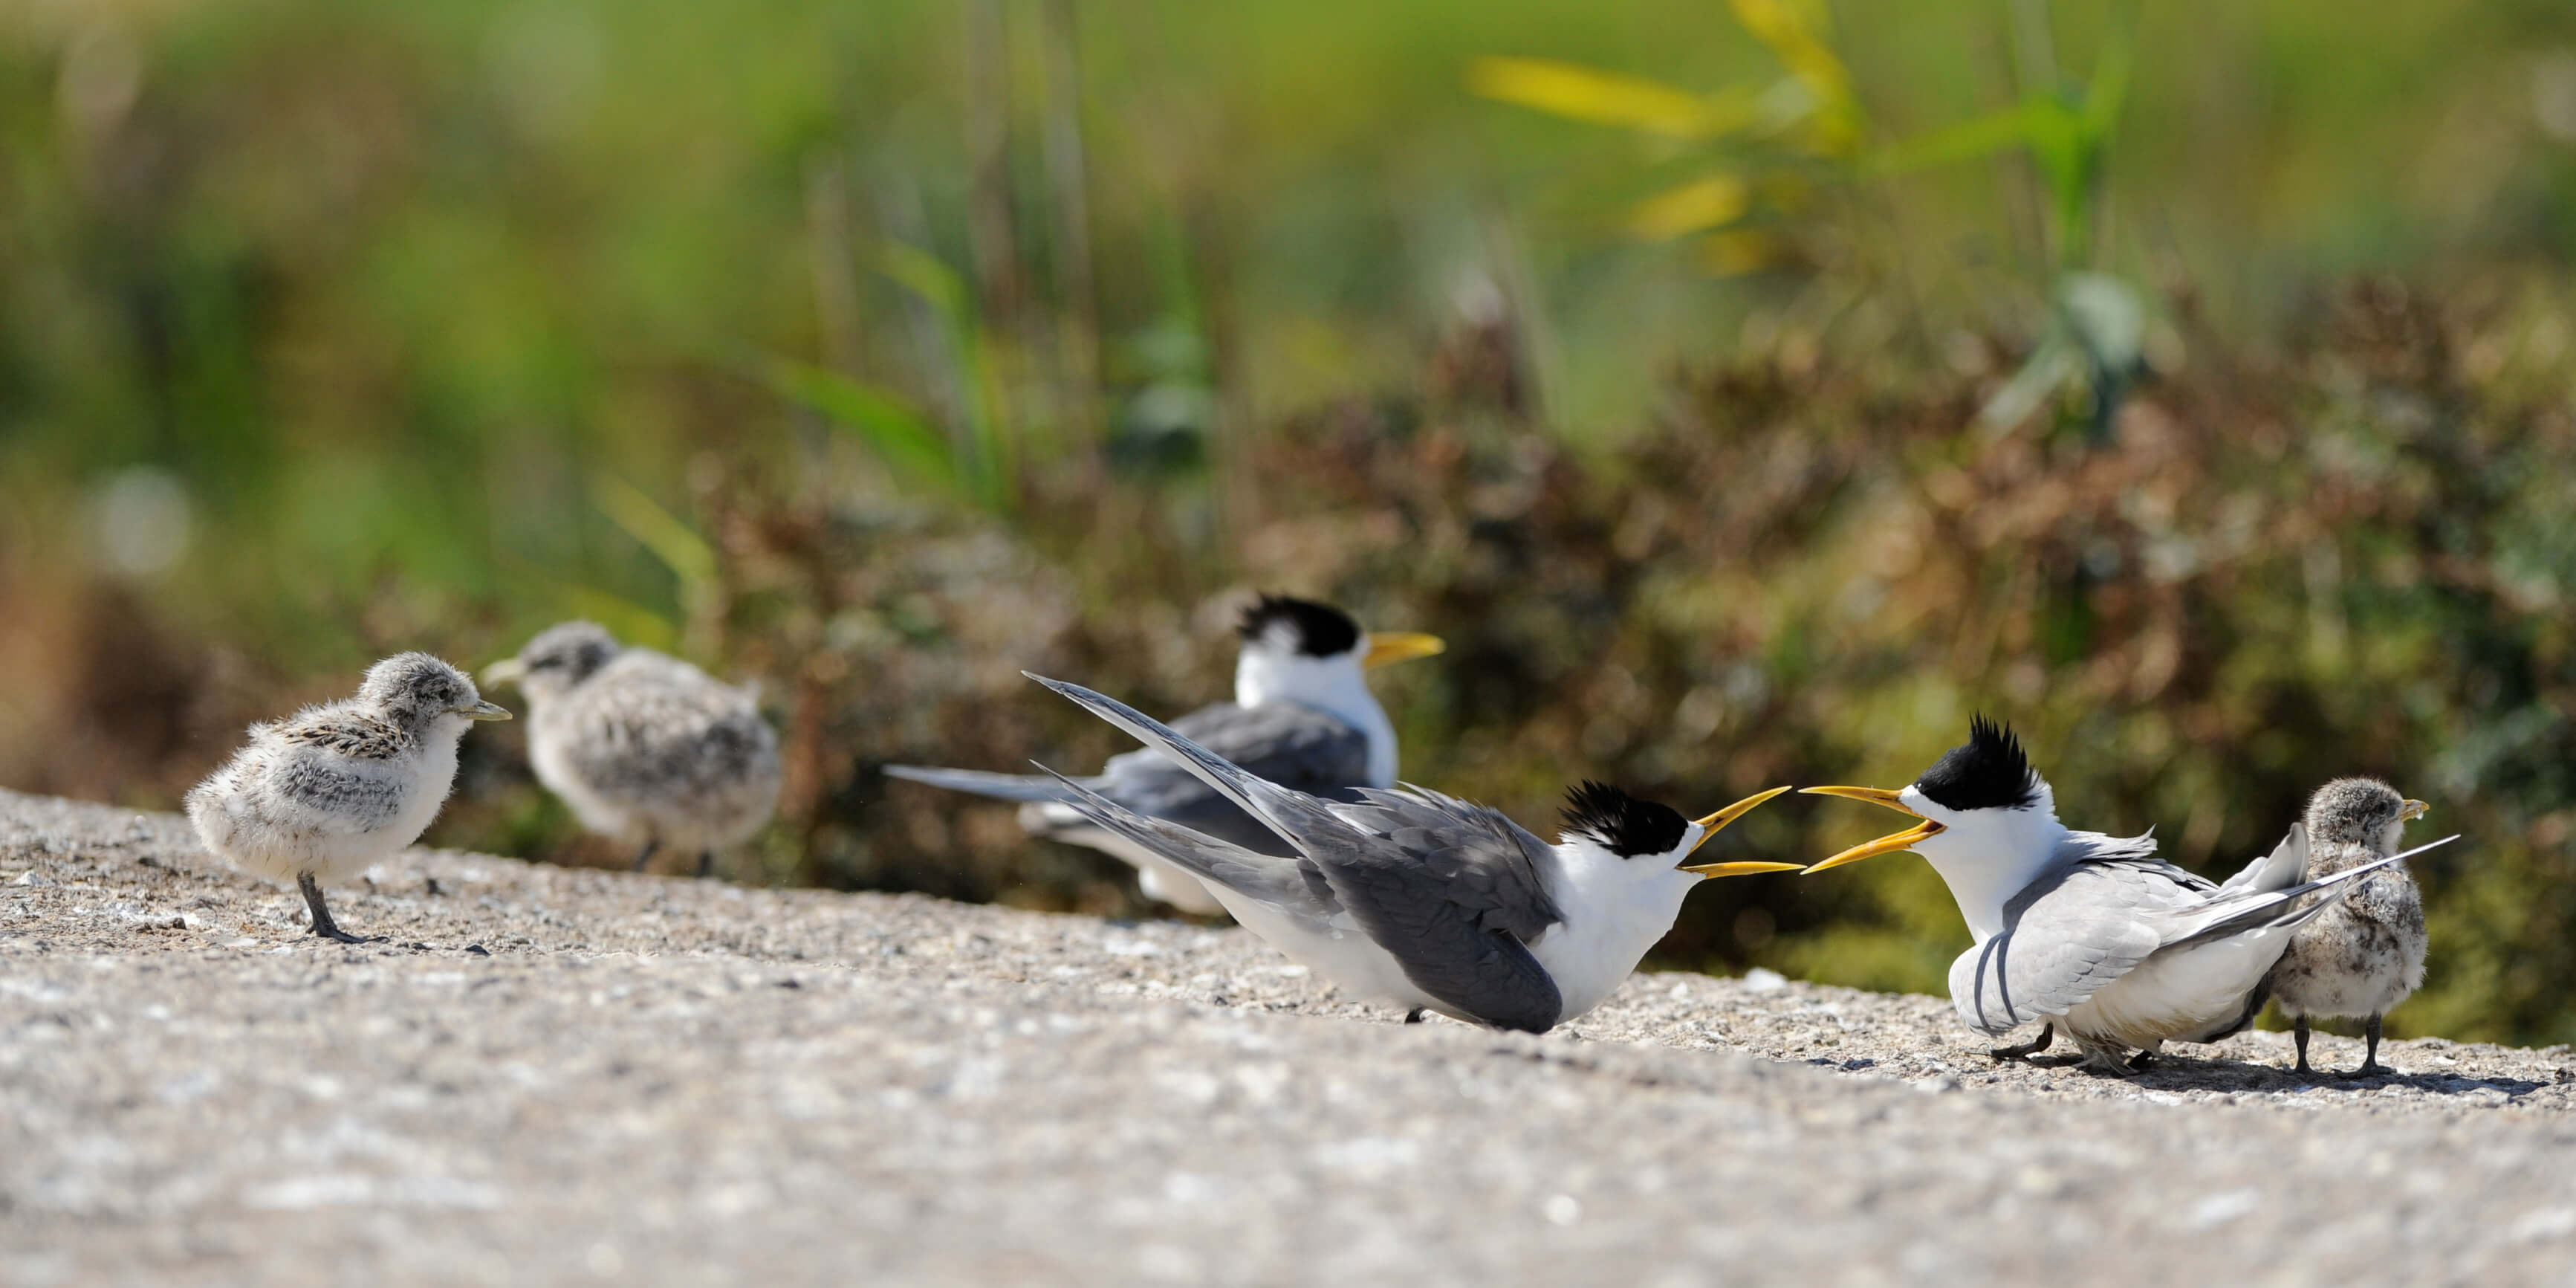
x=2091, y=933
x=1302, y=717
x=2365, y=954
x=1426, y=900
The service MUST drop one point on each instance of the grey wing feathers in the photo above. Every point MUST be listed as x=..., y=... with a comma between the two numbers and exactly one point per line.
x=2281, y=907
x=1291, y=885
x=1007, y=787
x=2063, y=940
x=1452, y=890
x=2285, y=866
x=1449, y=889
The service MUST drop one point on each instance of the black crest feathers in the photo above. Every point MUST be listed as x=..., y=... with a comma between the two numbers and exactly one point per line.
x=1623, y=824
x=1988, y=771
x=1322, y=630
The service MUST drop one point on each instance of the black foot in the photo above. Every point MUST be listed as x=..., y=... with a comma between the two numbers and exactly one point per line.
x=646, y=856
x=323, y=926
x=2047, y=1034
x=2372, y=1069
x=2142, y=1061
x=2299, y=1034
x=706, y=863
x=1413, y=1016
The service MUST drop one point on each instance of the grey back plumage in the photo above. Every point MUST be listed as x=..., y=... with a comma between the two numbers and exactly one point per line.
x=1453, y=891
x=648, y=744
x=1294, y=746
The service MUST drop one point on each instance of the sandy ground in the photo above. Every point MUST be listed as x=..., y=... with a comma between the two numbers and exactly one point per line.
x=551, y=1075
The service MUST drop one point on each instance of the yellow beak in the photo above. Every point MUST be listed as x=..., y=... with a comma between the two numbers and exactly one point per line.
x=1400, y=646
x=1715, y=822
x=481, y=711
x=505, y=671
x=2413, y=809
x=1905, y=840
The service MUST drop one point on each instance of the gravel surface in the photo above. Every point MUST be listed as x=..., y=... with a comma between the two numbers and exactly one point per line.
x=565, y=1075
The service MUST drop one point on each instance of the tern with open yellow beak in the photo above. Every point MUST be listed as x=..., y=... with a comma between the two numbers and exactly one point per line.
x=1302, y=717
x=2084, y=931
x=1426, y=900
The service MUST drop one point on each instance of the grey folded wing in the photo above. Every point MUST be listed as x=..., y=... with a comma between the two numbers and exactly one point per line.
x=1287, y=884
x=2064, y=939
x=1287, y=745
x=1455, y=893
x=1292, y=746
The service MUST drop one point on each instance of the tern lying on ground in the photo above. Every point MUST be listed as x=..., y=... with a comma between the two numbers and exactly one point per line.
x=1302, y=717
x=1427, y=900
x=2086, y=931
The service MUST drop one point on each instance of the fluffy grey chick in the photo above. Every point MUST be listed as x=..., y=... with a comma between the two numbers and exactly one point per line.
x=644, y=747
x=327, y=792
x=2364, y=955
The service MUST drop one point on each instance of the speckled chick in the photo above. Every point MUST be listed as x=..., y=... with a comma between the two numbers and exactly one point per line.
x=644, y=747
x=320, y=796
x=2364, y=955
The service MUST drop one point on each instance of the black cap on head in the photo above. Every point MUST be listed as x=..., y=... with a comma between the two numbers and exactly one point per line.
x=1321, y=629
x=1988, y=771
x=1623, y=824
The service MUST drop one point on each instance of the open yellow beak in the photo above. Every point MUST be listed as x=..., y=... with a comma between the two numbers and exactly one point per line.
x=1711, y=825
x=505, y=671
x=481, y=711
x=1905, y=840
x=1400, y=646
x=2412, y=810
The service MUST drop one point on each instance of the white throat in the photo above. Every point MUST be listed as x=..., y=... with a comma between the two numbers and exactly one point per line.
x=1333, y=685
x=1615, y=909
x=1987, y=856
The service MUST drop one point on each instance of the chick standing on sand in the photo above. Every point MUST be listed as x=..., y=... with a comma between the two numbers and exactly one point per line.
x=2366, y=954
x=644, y=747
x=327, y=792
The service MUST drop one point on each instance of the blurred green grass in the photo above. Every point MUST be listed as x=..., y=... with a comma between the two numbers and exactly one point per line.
x=859, y=349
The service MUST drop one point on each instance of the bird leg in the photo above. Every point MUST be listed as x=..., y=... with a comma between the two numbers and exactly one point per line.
x=2299, y=1034
x=706, y=863
x=2103, y=1060
x=2047, y=1034
x=650, y=846
x=2142, y=1061
x=322, y=923
x=2370, y=1060
x=1413, y=1016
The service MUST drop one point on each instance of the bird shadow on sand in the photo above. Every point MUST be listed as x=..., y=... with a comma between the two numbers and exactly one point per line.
x=2183, y=1073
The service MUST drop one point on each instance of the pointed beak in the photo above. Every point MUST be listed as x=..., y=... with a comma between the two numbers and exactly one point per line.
x=480, y=711
x=506, y=671
x=1711, y=825
x=1905, y=840
x=1401, y=646
x=2412, y=810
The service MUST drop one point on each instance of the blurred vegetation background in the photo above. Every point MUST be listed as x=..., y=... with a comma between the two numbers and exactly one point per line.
x=1749, y=391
